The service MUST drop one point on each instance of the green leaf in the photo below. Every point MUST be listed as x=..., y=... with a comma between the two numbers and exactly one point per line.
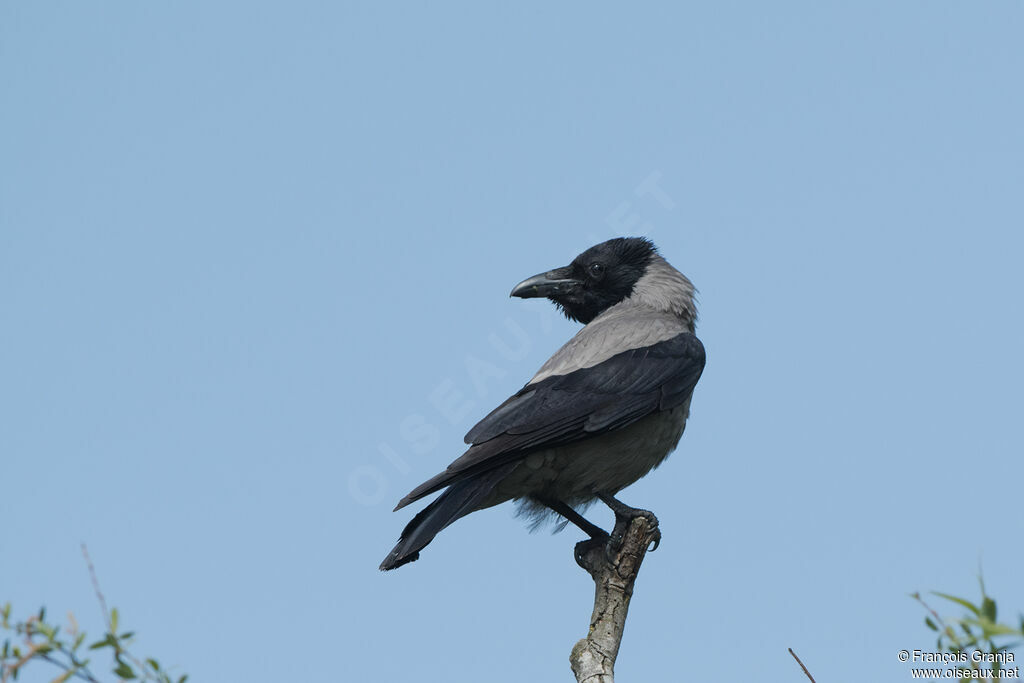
x=183, y=679
x=108, y=641
x=78, y=641
x=930, y=624
x=989, y=628
x=153, y=663
x=959, y=601
x=113, y=619
x=124, y=671
x=988, y=608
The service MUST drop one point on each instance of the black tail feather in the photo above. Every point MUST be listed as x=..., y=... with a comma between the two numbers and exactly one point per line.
x=458, y=501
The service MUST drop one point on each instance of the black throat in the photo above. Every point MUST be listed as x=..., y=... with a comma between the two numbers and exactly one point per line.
x=607, y=274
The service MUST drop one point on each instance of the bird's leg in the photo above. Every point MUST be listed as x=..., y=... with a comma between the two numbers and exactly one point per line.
x=624, y=514
x=598, y=536
x=566, y=511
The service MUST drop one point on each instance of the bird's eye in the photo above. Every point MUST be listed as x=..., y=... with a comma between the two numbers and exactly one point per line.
x=596, y=269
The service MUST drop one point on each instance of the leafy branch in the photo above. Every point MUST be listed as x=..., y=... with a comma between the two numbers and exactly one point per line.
x=37, y=640
x=976, y=630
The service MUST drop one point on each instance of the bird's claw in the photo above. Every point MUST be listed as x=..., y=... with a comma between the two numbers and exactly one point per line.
x=652, y=525
x=611, y=549
x=655, y=539
x=624, y=514
x=583, y=548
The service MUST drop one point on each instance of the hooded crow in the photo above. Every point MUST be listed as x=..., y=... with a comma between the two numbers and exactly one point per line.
x=601, y=413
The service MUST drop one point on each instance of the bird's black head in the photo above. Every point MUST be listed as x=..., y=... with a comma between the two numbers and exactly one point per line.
x=597, y=279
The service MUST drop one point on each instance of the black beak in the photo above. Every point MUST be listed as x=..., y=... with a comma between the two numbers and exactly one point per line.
x=551, y=283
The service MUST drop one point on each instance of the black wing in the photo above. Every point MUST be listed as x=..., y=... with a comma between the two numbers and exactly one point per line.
x=581, y=404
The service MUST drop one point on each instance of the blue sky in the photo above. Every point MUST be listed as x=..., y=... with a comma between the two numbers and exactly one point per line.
x=244, y=247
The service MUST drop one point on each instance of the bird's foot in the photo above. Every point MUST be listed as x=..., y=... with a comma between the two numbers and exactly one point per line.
x=625, y=514
x=588, y=551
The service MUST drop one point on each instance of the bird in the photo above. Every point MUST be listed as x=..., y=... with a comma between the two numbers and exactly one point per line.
x=602, y=412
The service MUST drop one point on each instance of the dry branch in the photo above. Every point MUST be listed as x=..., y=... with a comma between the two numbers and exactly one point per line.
x=614, y=567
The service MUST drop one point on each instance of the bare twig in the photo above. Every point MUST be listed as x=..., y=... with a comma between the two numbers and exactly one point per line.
x=119, y=650
x=801, y=664
x=614, y=567
x=76, y=669
x=96, y=587
x=938, y=619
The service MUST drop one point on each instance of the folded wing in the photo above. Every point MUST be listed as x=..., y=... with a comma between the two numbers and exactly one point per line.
x=561, y=409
